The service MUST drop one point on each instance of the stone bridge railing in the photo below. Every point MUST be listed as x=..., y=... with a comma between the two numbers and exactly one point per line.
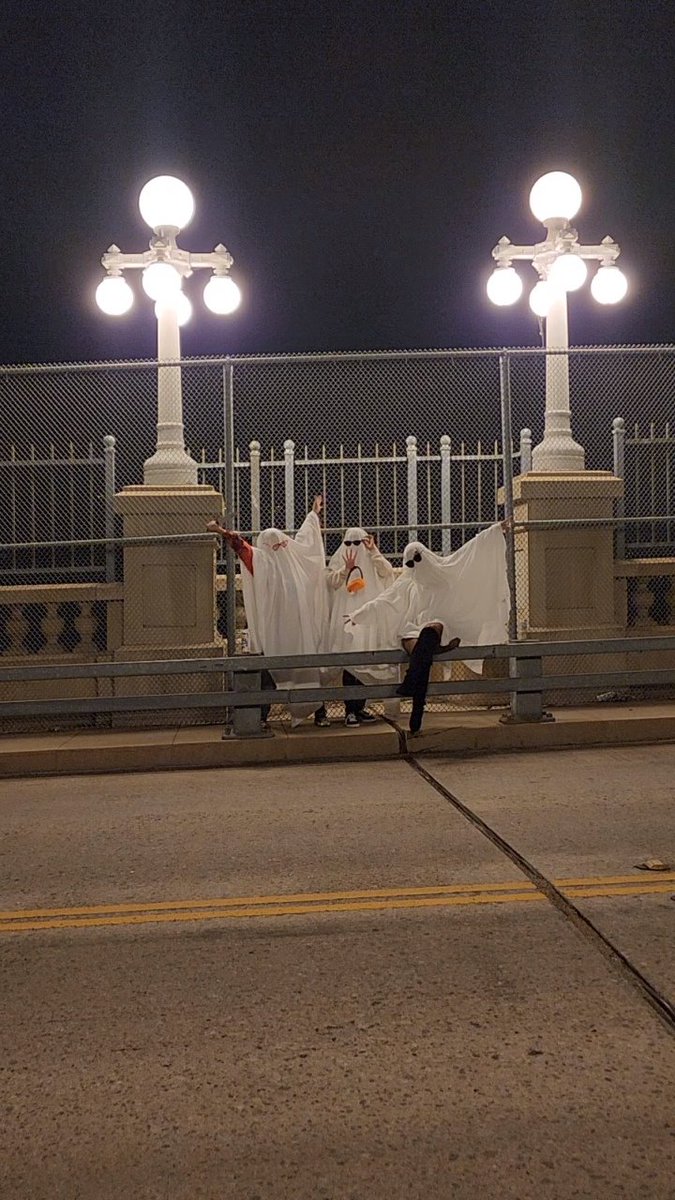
x=50, y=620
x=635, y=599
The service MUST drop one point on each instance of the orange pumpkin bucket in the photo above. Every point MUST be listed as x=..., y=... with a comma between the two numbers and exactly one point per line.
x=356, y=584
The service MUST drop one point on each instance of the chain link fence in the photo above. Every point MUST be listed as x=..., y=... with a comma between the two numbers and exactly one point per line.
x=408, y=444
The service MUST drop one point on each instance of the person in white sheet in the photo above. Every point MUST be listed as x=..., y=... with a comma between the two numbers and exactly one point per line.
x=438, y=603
x=285, y=599
x=357, y=572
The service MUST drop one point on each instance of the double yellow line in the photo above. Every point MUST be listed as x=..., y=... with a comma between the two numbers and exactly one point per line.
x=307, y=903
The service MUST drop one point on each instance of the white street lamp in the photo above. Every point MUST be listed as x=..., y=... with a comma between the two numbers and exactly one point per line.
x=114, y=296
x=181, y=304
x=167, y=205
x=541, y=298
x=222, y=295
x=560, y=262
x=609, y=285
x=504, y=286
x=160, y=279
x=568, y=272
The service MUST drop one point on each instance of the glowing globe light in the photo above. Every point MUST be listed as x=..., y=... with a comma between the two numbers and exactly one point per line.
x=179, y=303
x=160, y=279
x=504, y=286
x=609, y=285
x=556, y=195
x=114, y=296
x=568, y=272
x=222, y=295
x=166, y=203
x=541, y=298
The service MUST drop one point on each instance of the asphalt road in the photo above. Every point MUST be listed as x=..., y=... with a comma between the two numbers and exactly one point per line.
x=327, y=982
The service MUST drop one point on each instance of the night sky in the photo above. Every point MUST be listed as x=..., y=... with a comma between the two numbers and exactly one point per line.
x=359, y=160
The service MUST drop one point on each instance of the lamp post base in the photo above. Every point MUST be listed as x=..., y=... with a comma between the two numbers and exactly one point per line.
x=557, y=457
x=170, y=467
x=558, y=453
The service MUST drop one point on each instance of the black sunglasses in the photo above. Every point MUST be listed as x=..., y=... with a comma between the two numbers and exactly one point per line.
x=354, y=543
x=416, y=558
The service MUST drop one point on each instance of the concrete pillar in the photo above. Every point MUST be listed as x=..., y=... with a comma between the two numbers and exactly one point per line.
x=565, y=576
x=169, y=588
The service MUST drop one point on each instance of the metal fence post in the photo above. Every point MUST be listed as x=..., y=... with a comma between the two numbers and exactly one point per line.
x=254, y=458
x=446, y=501
x=109, y=469
x=525, y=451
x=619, y=448
x=411, y=451
x=230, y=559
x=507, y=455
x=289, y=485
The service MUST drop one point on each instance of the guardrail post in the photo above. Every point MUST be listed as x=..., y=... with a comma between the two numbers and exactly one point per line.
x=247, y=722
x=527, y=706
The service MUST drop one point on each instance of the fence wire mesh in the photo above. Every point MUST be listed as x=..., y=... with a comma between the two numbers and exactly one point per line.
x=405, y=444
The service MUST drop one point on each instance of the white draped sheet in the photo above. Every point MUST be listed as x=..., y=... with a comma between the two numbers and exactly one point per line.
x=286, y=602
x=467, y=593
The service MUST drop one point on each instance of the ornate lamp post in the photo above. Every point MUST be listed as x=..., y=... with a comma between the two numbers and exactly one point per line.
x=166, y=205
x=560, y=262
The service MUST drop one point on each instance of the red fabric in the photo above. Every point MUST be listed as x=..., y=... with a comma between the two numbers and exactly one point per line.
x=242, y=548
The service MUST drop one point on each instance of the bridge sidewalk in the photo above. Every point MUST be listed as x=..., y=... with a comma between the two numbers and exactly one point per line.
x=461, y=733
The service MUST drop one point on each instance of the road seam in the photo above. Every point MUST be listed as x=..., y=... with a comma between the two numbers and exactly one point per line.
x=627, y=969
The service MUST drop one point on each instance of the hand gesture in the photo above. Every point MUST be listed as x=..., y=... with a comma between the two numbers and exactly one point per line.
x=350, y=560
x=213, y=527
x=317, y=506
x=369, y=543
x=507, y=525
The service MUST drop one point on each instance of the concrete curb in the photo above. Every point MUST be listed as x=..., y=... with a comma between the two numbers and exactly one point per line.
x=456, y=733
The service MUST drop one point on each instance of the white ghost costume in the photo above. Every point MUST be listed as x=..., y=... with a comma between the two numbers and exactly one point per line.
x=286, y=602
x=377, y=575
x=467, y=593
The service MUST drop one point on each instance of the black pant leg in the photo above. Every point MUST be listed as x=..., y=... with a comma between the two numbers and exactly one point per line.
x=266, y=682
x=352, y=706
x=417, y=676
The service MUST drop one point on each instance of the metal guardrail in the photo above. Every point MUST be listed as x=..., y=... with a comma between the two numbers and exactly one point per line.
x=525, y=685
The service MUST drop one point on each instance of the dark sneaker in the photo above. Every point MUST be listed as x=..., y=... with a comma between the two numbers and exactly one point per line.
x=322, y=722
x=365, y=718
x=352, y=721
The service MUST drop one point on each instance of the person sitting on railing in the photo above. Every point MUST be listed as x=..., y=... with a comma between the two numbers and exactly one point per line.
x=285, y=600
x=357, y=572
x=436, y=604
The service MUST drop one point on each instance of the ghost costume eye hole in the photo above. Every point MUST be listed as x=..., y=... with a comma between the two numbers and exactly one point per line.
x=357, y=543
x=415, y=559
